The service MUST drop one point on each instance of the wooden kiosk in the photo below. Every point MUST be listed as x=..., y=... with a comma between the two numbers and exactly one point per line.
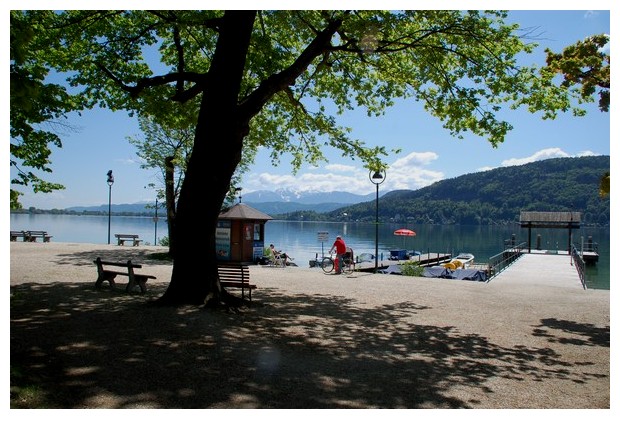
x=240, y=234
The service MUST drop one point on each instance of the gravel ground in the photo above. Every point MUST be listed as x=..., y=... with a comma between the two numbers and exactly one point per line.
x=308, y=341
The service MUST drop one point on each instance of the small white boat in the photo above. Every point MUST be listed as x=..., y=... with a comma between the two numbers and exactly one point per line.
x=463, y=260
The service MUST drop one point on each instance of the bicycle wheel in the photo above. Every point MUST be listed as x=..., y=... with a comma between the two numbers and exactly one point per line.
x=349, y=267
x=327, y=264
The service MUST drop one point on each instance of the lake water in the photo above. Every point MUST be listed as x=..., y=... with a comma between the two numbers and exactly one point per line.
x=301, y=239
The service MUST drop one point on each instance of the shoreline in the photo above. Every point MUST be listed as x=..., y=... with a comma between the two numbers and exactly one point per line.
x=299, y=239
x=360, y=341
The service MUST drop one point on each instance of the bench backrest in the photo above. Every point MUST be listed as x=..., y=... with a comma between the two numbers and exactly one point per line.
x=126, y=235
x=234, y=273
x=127, y=264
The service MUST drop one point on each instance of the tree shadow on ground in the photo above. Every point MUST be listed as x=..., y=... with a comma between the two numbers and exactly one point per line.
x=99, y=348
x=137, y=255
x=582, y=334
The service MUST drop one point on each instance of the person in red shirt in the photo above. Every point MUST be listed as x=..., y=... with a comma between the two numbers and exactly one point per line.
x=341, y=248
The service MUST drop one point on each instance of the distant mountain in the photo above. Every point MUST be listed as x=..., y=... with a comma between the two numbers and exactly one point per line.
x=119, y=208
x=496, y=196
x=491, y=197
x=277, y=208
x=304, y=197
x=271, y=202
x=288, y=200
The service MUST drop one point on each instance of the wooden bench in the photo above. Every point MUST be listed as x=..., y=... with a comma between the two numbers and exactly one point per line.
x=33, y=235
x=127, y=237
x=17, y=234
x=109, y=275
x=236, y=275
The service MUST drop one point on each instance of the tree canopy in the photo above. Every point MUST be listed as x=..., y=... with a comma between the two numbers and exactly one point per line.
x=37, y=109
x=259, y=84
x=586, y=66
x=460, y=65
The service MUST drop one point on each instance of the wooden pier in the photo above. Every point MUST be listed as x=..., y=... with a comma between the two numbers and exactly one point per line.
x=590, y=258
x=540, y=269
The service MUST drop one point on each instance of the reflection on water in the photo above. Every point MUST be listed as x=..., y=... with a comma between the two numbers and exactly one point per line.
x=300, y=239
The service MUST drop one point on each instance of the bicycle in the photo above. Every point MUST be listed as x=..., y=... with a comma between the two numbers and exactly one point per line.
x=348, y=266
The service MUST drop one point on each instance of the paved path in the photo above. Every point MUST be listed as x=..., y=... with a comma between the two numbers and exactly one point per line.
x=540, y=269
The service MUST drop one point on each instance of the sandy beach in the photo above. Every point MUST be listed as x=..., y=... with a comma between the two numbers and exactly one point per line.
x=309, y=340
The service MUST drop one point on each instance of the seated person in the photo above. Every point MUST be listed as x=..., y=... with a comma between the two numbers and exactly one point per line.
x=279, y=253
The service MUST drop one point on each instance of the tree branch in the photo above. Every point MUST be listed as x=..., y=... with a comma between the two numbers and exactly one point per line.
x=181, y=59
x=280, y=81
x=154, y=81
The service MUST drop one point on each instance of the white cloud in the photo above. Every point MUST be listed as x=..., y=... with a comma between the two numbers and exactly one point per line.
x=128, y=161
x=414, y=159
x=272, y=181
x=414, y=178
x=340, y=167
x=554, y=152
x=407, y=172
x=587, y=153
x=404, y=173
x=314, y=181
x=591, y=14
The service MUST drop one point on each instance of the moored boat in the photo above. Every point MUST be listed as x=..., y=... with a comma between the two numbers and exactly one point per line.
x=462, y=260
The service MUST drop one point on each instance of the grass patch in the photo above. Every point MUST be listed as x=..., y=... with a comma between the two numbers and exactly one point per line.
x=25, y=393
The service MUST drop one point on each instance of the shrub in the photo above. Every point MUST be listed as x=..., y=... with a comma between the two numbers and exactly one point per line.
x=411, y=268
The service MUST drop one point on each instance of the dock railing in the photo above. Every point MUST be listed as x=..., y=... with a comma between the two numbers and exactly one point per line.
x=580, y=265
x=501, y=261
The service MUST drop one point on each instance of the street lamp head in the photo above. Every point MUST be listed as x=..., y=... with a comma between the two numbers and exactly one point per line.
x=238, y=190
x=110, y=178
x=376, y=177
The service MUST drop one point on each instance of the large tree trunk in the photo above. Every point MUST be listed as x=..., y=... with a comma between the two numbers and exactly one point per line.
x=171, y=211
x=215, y=155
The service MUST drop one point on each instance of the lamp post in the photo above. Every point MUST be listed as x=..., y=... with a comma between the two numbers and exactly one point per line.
x=110, y=183
x=155, y=219
x=238, y=191
x=377, y=178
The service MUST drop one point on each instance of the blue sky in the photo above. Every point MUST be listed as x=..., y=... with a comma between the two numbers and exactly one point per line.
x=429, y=153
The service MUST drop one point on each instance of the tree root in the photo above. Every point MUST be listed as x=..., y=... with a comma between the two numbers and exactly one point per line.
x=225, y=301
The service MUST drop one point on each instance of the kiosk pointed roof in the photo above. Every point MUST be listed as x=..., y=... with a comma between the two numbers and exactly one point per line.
x=243, y=211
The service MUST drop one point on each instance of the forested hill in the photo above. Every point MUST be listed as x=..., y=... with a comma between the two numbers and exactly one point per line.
x=497, y=196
